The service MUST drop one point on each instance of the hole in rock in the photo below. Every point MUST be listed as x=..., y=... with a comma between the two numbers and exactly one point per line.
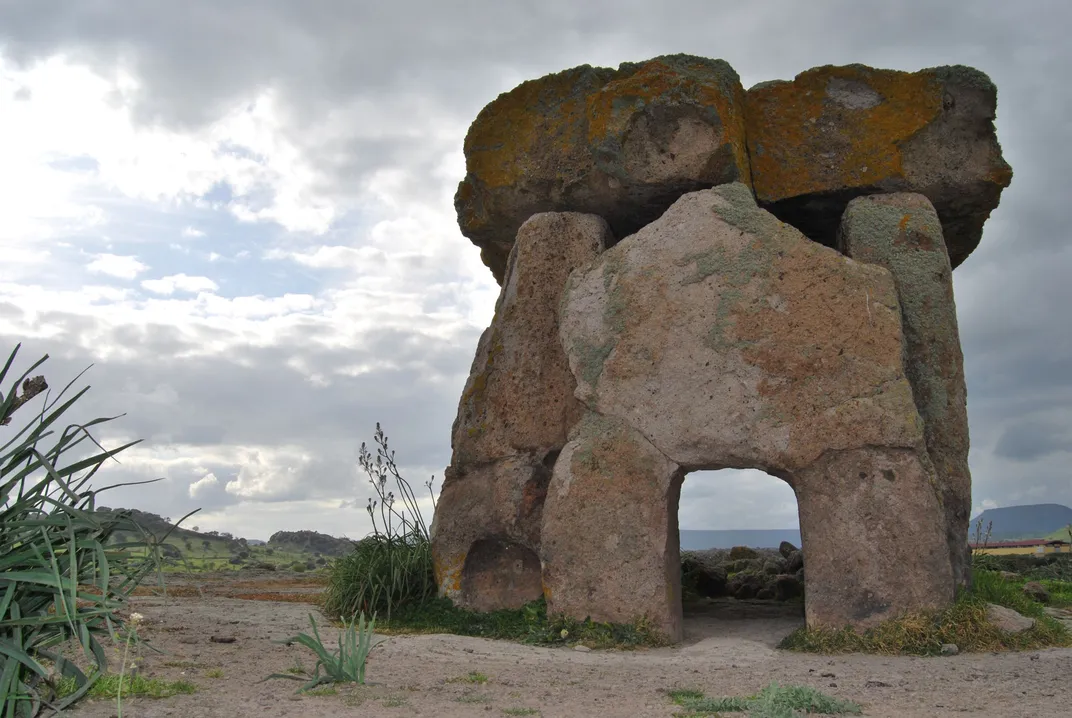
x=735, y=527
x=500, y=573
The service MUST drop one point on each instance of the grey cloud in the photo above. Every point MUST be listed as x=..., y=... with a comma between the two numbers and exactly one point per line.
x=1031, y=440
x=198, y=57
x=422, y=66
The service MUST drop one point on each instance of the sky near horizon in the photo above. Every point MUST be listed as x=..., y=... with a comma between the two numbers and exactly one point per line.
x=241, y=213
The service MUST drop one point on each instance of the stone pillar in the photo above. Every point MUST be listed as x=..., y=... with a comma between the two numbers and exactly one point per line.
x=873, y=535
x=610, y=535
x=513, y=418
x=901, y=232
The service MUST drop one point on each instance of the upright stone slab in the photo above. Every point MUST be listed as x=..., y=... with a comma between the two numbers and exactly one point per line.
x=725, y=338
x=623, y=144
x=612, y=548
x=835, y=133
x=513, y=418
x=902, y=233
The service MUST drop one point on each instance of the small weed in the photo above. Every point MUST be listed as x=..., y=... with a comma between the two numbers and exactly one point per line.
x=322, y=691
x=352, y=699
x=394, y=701
x=214, y=673
x=521, y=712
x=184, y=664
x=774, y=701
x=471, y=677
x=473, y=698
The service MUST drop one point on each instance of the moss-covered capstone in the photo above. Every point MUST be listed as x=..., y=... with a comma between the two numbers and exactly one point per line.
x=835, y=133
x=623, y=144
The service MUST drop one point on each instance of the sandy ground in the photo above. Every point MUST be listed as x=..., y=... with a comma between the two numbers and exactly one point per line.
x=424, y=675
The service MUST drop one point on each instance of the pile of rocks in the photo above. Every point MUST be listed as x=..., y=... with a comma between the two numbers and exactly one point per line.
x=744, y=573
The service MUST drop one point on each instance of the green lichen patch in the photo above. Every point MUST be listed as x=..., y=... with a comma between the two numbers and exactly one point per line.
x=718, y=338
x=708, y=263
x=591, y=358
x=615, y=308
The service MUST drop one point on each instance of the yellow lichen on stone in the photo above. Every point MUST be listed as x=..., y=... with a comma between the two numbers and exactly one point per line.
x=610, y=110
x=448, y=572
x=509, y=129
x=802, y=141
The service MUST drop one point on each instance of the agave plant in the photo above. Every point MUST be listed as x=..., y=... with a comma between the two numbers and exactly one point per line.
x=59, y=577
x=347, y=665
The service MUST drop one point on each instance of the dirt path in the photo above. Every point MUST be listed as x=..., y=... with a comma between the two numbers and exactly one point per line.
x=423, y=675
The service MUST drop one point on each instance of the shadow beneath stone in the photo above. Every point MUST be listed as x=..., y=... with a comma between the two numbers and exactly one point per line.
x=730, y=622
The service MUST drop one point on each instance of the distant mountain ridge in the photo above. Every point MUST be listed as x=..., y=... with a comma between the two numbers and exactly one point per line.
x=1023, y=522
x=297, y=541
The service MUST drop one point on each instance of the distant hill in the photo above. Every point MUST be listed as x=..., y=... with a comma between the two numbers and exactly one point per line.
x=154, y=524
x=310, y=542
x=753, y=538
x=1023, y=522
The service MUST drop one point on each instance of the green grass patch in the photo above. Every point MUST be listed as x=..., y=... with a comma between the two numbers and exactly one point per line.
x=529, y=624
x=473, y=698
x=471, y=677
x=322, y=691
x=923, y=633
x=774, y=701
x=1060, y=592
x=107, y=686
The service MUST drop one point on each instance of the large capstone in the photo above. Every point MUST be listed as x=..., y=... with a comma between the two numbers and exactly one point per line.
x=623, y=144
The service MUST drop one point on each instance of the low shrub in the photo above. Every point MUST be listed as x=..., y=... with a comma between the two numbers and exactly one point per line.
x=392, y=568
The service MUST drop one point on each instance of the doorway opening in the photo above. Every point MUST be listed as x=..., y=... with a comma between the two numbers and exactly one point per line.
x=740, y=551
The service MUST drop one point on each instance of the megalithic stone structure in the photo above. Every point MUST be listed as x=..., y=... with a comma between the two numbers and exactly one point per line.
x=697, y=277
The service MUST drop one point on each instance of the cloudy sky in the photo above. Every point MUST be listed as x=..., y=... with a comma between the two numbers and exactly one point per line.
x=240, y=212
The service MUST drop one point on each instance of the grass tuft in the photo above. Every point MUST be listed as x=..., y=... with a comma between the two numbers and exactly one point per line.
x=923, y=633
x=107, y=686
x=774, y=701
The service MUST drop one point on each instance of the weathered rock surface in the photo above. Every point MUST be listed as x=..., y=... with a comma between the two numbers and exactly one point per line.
x=1007, y=619
x=1036, y=591
x=835, y=133
x=621, y=560
x=720, y=337
x=519, y=395
x=623, y=144
x=711, y=331
x=513, y=418
x=702, y=577
x=902, y=233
